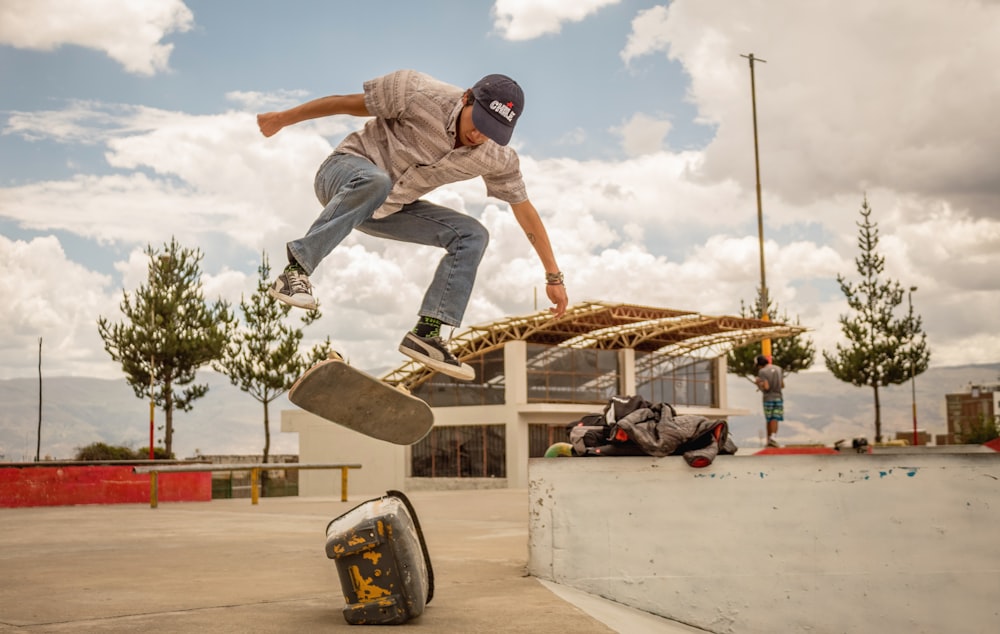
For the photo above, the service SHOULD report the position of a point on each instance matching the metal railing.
(254, 469)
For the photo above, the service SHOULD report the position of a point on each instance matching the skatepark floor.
(230, 566)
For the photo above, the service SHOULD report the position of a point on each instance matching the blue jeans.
(351, 188)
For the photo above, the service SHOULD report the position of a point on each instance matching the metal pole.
(765, 345)
(38, 446)
(343, 484)
(254, 479)
(154, 488)
(913, 379)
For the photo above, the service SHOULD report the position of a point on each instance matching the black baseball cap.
(497, 105)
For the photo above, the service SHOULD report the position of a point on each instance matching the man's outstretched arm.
(271, 122)
(527, 216)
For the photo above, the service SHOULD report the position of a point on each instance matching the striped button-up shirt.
(412, 137)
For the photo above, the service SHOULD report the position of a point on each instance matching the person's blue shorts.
(774, 410)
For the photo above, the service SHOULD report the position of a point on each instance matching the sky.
(124, 123)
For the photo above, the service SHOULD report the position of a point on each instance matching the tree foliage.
(102, 451)
(980, 429)
(792, 354)
(168, 332)
(882, 350)
(262, 357)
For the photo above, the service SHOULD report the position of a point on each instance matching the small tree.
(978, 430)
(263, 358)
(792, 354)
(168, 333)
(882, 350)
(103, 451)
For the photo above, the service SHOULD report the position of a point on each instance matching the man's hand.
(557, 295)
(269, 123)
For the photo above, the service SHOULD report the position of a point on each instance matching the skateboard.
(334, 390)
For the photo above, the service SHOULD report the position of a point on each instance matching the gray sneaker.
(293, 287)
(432, 352)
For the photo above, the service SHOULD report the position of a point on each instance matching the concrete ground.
(230, 566)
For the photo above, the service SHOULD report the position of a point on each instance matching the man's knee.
(477, 240)
(479, 235)
(343, 174)
(373, 182)
(469, 234)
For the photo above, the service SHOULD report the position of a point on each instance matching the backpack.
(600, 435)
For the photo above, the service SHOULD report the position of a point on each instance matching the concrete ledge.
(849, 543)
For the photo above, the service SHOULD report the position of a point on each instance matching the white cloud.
(254, 101)
(131, 32)
(643, 134)
(576, 136)
(528, 19)
(178, 174)
(48, 296)
(841, 105)
(649, 34)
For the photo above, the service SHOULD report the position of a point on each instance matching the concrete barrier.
(847, 543)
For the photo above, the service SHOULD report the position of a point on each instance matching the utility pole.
(913, 378)
(765, 345)
(38, 446)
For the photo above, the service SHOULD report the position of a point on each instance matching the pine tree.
(882, 350)
(792, 354)
(263, 357)
(168, 333)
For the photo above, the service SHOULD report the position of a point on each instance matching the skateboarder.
(423, 134)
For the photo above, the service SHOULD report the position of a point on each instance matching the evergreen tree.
(793, 354)
(169, 331)
(263, 358)
(978, 429)
(882, 350)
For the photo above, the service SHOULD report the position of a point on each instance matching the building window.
(676, 380)
(541, 437)
(570, 375)
(465, 451)
(487, 388)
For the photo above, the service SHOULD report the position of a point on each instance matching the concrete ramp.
(763, 544)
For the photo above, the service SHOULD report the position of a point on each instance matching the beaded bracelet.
(554, 279)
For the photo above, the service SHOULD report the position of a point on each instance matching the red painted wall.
(111, 484)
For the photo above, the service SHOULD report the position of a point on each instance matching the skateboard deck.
(333, 390)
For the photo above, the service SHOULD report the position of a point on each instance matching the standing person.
(423, 134)
(770, 381)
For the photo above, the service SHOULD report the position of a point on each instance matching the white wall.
(382, 464)
(848, 543)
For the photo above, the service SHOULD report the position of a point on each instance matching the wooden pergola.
(608, 326)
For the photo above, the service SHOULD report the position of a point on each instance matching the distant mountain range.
(80, 411)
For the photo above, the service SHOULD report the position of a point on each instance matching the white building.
(534, 376)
